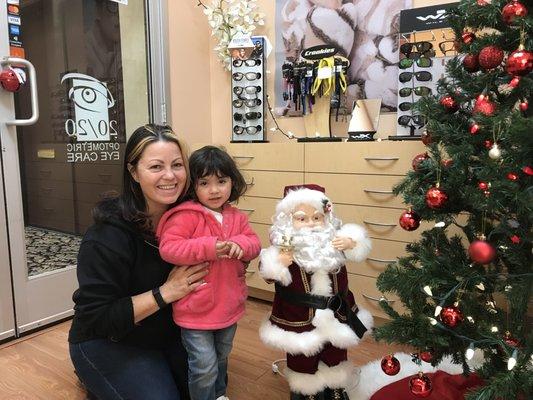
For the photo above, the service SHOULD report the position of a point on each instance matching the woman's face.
(161, 174)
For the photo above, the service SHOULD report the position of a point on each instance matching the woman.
(123, 342)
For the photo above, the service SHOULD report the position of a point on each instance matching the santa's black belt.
(337, 303)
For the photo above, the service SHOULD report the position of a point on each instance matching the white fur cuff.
(306, 343)
(338, 376)
(332, 330)
(358, 234)
(270, 267)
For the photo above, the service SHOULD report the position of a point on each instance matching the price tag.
(324, 73)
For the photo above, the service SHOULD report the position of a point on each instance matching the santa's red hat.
(311, 194)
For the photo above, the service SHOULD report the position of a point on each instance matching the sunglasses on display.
(249, 63)
(422, 62)
(251, 76)
(238, 90)
(405, 106)
(422, 76)
(448, 46)
(248, 115)
(419, 91)
(418, 120)
(238, 103)
(422, 48)
(251, 130)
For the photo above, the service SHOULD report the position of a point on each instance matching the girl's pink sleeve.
(177, 246)
(247, 239)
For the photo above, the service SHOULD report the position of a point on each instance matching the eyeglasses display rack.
(248, 85)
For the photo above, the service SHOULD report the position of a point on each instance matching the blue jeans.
(113, 371)
(208, 353)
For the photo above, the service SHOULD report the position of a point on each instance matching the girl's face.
(213, 191)
(161, 174)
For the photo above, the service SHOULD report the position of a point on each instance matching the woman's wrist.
(158, 297)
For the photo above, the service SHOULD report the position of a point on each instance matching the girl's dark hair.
(211, 160)
(131, 204)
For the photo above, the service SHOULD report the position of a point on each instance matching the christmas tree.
(466, 283)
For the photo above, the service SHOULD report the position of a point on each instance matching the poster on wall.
(365, 31)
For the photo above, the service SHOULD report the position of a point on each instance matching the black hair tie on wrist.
(158, 298)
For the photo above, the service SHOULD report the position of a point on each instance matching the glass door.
(92, 87)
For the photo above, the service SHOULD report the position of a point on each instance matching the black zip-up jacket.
(115, 262)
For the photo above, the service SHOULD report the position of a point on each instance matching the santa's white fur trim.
(296, 197)
(332, 330)
(321, 284)
(306, 343)
(338, 376)
(366, 318)
(271, 268)
(359, 235)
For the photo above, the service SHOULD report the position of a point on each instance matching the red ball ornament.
(474, 128)
(481, 252)
(426, 138)
(512, 176)
(527, 170)
(420, 385)
(468, 37)
(409, 220)
(9, 80)
(471, 63)
(436, 197)
(511, 341)
(490, 57)
(426, 355)
(519, 62)
(488, 143)
(390, 365)
(451, 316)
(449, 104)
(513, 10)
(524, 106)
(418, 159)
(484, 105)
(483, 185)
(515, 239)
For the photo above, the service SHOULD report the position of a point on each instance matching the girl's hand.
(235, 251)
(222, 249)
(343, 243)
(183, 280)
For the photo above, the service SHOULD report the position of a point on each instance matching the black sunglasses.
(448, 46)
(419, 91)
(418, 120)
(251, 76)
(405, 106)
(238, 90)
(248, 115)
(251, 130)
(238, 103)
(422, 49)
(422, 76)
(422, 62)
(249, 63)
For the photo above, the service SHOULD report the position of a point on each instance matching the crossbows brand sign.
(91, 125)
(425, 18)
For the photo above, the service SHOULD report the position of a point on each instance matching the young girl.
(208, 228)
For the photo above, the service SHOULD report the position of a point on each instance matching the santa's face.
(306, 216)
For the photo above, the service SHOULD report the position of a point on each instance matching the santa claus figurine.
(314, 317)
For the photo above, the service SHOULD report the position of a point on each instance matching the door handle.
(33, 90)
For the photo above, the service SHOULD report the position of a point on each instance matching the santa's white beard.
(313, 250)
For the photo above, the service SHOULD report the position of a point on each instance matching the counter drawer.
(259, 209)
(268, 156)
(383, 253)
(270, 183)
(50, 188)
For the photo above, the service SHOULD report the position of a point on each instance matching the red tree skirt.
(445, 387)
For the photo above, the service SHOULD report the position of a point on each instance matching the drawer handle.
(246, 157)
(250, 210)
(378, 191)
(106, 175)
(251, 183)
(47, 189)
(380, 260)
(45, 171)
(48, 209)
(382, 158)
(382, 298)
(378, 223)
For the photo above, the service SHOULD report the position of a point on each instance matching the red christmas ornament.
(449, 104)
(515, 239)
(426, 356)
(474, 128)
(484, 105)
(409, 220)
(483, 2)
(436, 198)
(420, 385)
(426, 138)
(9, 80)
(527, 170)
(488, 143)
(451, 316)
(511, 341)
(483, 185)
(481, 252)
(519, 62)
(524, 106)
(468, 37)
(513, 10)
(512, 176)
(418, 159)
(471, 63)
(390, 365)
(490, 57)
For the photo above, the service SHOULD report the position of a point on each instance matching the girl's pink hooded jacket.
(187, 235)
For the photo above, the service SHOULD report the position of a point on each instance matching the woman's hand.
(183, 280)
